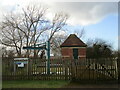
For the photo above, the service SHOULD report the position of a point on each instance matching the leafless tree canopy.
(27, 27)
(80, 33)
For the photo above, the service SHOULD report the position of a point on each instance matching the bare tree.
(12, 37)
(27, 27)
(80, 33)
(58, 22)
(23, 28)
(55, 44)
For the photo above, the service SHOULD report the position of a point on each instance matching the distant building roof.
(73, 41)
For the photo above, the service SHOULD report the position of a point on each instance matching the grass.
(35, 84)
(54, 84)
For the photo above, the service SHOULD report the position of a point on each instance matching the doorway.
(75, 53)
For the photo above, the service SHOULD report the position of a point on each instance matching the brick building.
(73, 48)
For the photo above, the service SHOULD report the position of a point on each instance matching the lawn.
(34, 84)
(54, 84)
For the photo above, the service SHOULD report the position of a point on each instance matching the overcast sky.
(100, 19)
(80, 13)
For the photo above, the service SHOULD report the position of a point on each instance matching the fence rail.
(88, 69)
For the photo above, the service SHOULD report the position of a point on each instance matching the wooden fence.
(88, 69)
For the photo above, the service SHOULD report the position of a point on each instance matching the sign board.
(21, 65)
(16, 59)
(20, 61)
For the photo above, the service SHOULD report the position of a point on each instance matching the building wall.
(82, 53)
(67, 52)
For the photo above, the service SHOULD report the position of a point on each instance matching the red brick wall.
(68, 53)
(82, 51)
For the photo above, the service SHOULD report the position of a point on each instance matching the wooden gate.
(95, 70)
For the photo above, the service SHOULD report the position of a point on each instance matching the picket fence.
(36, 69)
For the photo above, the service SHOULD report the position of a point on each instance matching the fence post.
(73, 70)
(14, 66)
(48, 57)
(66, 70)
(118, 66)
(30, 67)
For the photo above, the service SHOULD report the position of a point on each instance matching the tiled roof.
(73, 41)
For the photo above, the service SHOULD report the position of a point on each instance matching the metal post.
(48, 57)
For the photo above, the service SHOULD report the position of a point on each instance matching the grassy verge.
(34, 84)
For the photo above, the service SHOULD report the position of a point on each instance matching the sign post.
(45, 46)
(48, 57)
(20, 62)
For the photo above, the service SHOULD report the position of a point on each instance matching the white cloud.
(85, 13)
(60, 33)
(80, 13)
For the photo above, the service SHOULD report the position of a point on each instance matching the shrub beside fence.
(88, 69)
